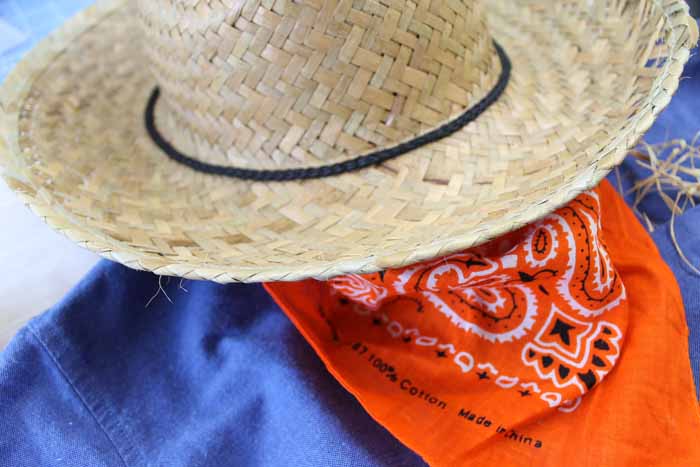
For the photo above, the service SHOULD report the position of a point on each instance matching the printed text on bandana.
(387, 373)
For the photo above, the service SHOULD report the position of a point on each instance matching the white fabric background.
(37, 265)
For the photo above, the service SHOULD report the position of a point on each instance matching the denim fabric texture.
(219, 377)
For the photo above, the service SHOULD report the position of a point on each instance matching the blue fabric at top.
(680, 120)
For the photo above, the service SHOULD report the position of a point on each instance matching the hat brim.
(586, 84)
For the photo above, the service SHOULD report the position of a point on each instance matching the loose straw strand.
(673, 168)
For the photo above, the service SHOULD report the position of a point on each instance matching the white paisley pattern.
(541, 292)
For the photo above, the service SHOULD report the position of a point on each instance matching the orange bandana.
(563, 343)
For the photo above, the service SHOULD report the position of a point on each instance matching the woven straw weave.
(267, 85)
(588, 79)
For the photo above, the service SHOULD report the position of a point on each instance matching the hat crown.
(288, 84)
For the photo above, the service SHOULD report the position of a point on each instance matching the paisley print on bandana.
(511, 353)
(548, 294)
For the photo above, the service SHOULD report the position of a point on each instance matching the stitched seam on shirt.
(77, 393)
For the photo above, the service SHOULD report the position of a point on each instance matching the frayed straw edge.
(665, 172)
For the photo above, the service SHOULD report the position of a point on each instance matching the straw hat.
(248, 140)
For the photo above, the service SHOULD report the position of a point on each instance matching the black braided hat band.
(357, 163)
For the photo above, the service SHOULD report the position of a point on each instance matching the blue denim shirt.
(220, 377)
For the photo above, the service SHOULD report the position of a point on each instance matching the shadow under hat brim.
(585, 85)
